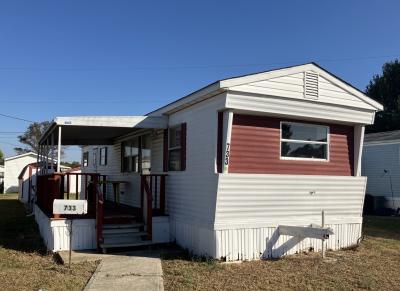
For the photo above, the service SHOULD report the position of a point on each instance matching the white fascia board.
(188, 100)
(378, 143)
(229, 83)
(159, 122)
(20, 156)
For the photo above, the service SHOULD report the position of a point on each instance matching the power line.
(191, 66)
(9, 143)
(79, 101)
(16, 118)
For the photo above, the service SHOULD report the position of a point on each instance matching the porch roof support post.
(52, 151)
(38, 159)
(47, 156)
(226, 139)
(41, 159)
(59, 149)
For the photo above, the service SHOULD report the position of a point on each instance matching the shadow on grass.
(18, 231)
(174, 252)
(387, 227)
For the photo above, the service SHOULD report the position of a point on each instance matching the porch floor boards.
(120, 213)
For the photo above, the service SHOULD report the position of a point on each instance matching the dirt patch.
(372, 265)
(24, 262)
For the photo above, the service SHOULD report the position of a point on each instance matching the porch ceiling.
(99, 130)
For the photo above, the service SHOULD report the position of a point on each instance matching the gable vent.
(311, 85)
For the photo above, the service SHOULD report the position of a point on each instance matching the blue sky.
(61, 58)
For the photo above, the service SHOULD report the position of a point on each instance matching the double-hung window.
(94, 157)
(130, 155)
(103, 156)
(85, 159)
(136, 154)
(174, 148)
(302, 141)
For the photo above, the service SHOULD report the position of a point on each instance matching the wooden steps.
(122, 235)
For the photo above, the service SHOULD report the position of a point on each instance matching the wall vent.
(311, 85)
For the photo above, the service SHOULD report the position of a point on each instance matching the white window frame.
(94, 156)
(105, 149)
(87, 159)
(327, 143)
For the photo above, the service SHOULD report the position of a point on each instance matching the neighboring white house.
(238, 160)
(13, 167)
(381, 164)
(1, 178)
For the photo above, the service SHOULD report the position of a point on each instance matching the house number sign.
(65, 206)
(227, 153)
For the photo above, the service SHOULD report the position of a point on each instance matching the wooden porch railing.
(152, 187)
(58, 186)
(99, 210)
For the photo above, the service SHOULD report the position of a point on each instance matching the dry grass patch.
(24, 262)
(372, 265)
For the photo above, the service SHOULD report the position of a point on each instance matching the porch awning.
(98, 130)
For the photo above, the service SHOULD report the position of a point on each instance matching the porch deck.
(116, 224)
(120, 213)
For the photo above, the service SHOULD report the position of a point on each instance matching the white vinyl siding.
(130, 191)
(191, 193)
(304, 109)
(267, 199)
(375, 160)
(299, 86)
(12, 169)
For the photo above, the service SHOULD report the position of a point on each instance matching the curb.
(90, 282)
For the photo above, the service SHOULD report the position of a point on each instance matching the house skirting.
(55, 233)
(265, 242)
(253, 243)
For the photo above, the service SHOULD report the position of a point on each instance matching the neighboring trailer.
(13, 167)
(381, 164)
(1, 179)
(240, 157)
(27, 181)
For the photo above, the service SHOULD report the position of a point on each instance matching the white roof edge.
(225, 84)
(139, 121)
(20, 156)
(210, 89)
(108, 121)
(377, 143)
(292, 70)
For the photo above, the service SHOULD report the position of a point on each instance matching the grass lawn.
(24, 262)
(375, 264)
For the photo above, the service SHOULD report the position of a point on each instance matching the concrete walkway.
(139, 270)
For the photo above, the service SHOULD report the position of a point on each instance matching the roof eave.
(190, 99)
(237, 81)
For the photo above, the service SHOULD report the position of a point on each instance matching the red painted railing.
(99, 210)
(152, 187)
(58, 186)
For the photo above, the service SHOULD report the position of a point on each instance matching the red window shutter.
(165, 151)
(219, 141)
(183, 146)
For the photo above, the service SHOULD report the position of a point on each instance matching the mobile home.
(221, 169)
(381, 164)
(13, 167)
